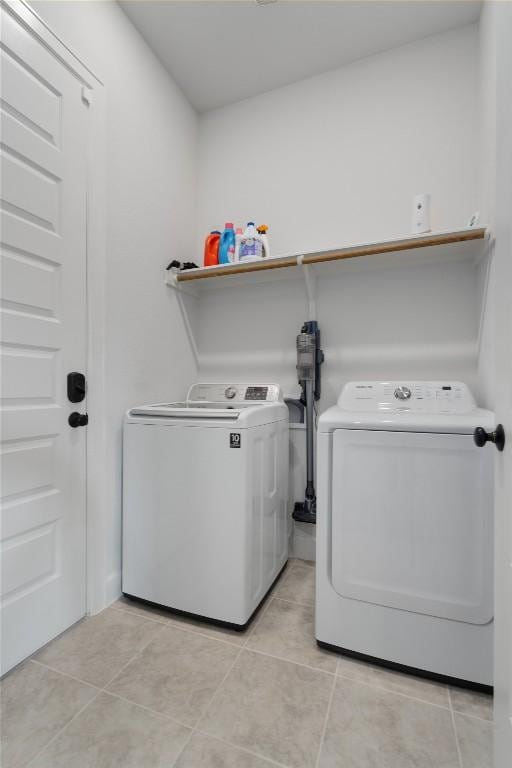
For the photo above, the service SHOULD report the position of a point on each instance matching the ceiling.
(221, 51)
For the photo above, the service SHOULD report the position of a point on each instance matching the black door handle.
(78, 419)
(481, 437)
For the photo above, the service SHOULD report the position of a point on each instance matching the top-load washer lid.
(188, 410)
(220, 401)
(409, 406)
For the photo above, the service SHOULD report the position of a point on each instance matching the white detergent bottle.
(250, 244)
(265, 248)
(238, 239)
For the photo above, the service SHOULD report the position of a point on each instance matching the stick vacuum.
(309, 359)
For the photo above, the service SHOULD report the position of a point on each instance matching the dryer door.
(412, 522)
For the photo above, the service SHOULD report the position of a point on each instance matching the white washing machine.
(405, 528)
(205, 486)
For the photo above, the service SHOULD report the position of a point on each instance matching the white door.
(503, 308)
(43, 242)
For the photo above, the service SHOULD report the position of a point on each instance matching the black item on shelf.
(181, 267)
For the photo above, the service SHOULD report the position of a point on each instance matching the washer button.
(230, 392)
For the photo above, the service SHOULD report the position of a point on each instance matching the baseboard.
(112, 588)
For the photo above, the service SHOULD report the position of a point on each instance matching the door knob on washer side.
(481, 437)
(78, 419)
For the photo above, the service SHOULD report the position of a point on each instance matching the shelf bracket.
(310, 288)
(172, 282)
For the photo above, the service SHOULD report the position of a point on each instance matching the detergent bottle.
(211, 248)
(227, 241)
(250, 244)
(262, 232)
(238, 239)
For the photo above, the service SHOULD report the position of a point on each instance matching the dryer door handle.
(481, 437)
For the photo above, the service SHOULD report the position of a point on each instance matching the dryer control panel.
(411, 396)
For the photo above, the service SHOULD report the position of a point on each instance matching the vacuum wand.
(309, 359)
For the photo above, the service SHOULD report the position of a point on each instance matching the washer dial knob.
(402, 393)
(230, 392)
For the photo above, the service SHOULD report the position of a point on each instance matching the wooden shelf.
(318, 257)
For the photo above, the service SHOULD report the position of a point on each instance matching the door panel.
(503, 407)
(43, 242)
(412, 522)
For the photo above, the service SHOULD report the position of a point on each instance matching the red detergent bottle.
(211, 248)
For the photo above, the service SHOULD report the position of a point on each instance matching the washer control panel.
(234, 393)
(409, 396)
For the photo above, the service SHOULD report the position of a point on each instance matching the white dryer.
(205, 487)
(405, 528)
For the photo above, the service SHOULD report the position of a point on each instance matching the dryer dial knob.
(403, 393)
(230, 392)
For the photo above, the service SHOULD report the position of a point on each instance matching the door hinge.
(86, 96)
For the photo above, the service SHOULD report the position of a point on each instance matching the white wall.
(333, 160)
(337, 158)
(151, 176)
(396, 321)
(319, 149)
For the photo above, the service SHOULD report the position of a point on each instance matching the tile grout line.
(269, 760)
(472, 717)
(135, 655)
(184, 628)
(163, 620)
(146, 709)
(392, 690)
(293, 602)
(230, 668)
(456, 736)
(185, 745)
(257, 621)
(99, 691)
(326, 719)
(64, 674)
(54, 738)
(289, 661)
(200, 631)
(195, 727)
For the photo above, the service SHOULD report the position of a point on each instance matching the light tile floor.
(136, 687)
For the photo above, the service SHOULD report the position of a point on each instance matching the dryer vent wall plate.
(421, 214)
